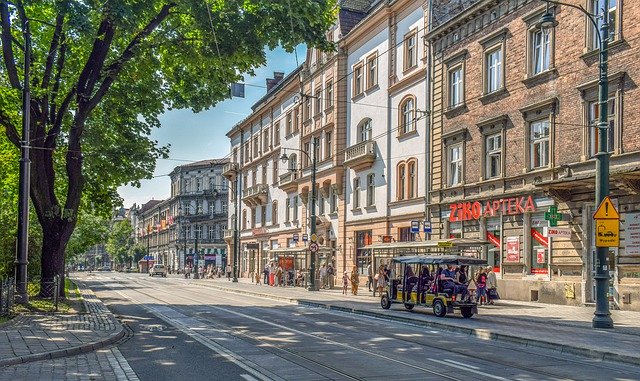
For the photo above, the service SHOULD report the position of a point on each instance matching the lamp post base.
(602, 320)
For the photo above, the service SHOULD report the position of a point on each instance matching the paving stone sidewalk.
(564, 329)
(36, 337)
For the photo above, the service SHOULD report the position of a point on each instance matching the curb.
(479, 333)
(72, 351)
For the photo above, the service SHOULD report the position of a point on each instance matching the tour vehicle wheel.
(466, 312)
(438, 308)
(408, 306)
(385, 302)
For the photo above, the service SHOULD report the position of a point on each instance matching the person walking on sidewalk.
(369, 276)
(381, 280)
(228, 271)
(481, 287)
(355, 280)
(345, 282)
(330, 276)
(265, 274)
(323, 276)
(492, 285)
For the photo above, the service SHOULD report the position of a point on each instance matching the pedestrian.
(369, 276)
(323, 276)
(381, 283)
(278, 276)
(481, 287)
(492, 285)
(330, 276)
(345, 282)
(265, 274)
(355, 280)
(257, 277)
(228, 272)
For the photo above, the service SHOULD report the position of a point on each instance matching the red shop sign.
(539, 237)
(493, 239)
(466, 211)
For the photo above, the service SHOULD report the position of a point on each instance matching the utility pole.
(25, 175)
(236, 233)
(195, 255)
(312, 284)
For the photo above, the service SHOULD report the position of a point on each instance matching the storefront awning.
(452, 243)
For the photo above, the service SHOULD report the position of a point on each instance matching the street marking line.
(222, 351)
(248, 377)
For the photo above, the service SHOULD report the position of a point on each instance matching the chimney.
(277, 77)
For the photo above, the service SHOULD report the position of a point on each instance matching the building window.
(371, 189)
(405, 235)
(329, 94)
(358, 87)
(307, 108)
(541, 51)
(372, 70)
(265, 141)
(456, 87)
(321, 205)
(287, 210)
(263, 215)
(411, 50)
(199, 207)
(402, 180)
(356, 192)
(539, 248)
(333, 200)
(306, 147)
(274, 213)
(493, 152)
(296, 119)
(493, 70)
(295, 208)
(327, 145)
(596, 7)
(225, 206)
(318, 98)
(539, 140)
(293, 162)
(198, 184)
(288, 125)
(316, 148)
(275, 171)
(254, 176)
(594, 119)
(454, 164)
(264, 173)
(212, 232)
(276, 135)
(244, 219)
(407, 115)
(256, 146)
(253, 217)
(412, 180)
(364, 131)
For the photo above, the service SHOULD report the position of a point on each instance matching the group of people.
(204, 272)
(457, 279)
(273, 274)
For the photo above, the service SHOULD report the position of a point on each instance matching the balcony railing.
(229, 170)
(256, 195)
(289, 181)
(361, 156)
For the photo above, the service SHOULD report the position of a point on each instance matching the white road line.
(188, 330)
(248, 377)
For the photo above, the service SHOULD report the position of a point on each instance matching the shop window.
(539, 248)
(455, 230)
(363, 238)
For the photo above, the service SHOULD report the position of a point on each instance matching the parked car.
(158, 269)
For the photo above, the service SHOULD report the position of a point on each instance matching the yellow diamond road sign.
(314, 237)
(607, 233)
(606, 211)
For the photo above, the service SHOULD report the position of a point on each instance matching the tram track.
(460, 366)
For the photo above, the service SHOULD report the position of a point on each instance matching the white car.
(158, 269)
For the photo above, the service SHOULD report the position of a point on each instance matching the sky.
(201, 136)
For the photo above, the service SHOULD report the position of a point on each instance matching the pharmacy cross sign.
(553, 216)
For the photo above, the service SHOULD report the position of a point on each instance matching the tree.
(90, 230)
(102, 73)
(120, 242)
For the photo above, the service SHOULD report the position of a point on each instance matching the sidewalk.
(563, 329)
(29, 338)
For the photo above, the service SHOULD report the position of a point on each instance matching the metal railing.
(49, 287)
(7, 291)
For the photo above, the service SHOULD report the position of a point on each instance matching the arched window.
(364, 130)
(274, 213)
(407, 122)
(401, 181)
(293, 162)
(412, 178)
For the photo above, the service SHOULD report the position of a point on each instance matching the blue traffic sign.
(415, 226)
(426, 227)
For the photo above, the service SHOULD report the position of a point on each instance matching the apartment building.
(386, 126)
(513, 135)
(192, 219)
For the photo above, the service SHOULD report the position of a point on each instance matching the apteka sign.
(467, 211)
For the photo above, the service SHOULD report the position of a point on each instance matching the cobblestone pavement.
(103, 364)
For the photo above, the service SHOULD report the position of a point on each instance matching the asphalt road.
(183, 330)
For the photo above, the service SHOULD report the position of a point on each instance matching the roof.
(349, 18)
(277, 87)
(441, 260)
(148, 205)
(206, 162)
(445, 10)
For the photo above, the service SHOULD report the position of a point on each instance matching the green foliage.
(137, 252)
(120, 242)
(90, 230)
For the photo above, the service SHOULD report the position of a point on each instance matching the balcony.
(256, 195)
(361, 156)
(289, 181)
(227, 234)
(229, 170)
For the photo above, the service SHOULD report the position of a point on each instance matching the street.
(185, 329)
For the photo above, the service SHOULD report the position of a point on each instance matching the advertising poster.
(631, 226)
(513, 249)
(540, 254)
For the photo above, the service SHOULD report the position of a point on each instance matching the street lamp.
(285, 158)
(602, 316)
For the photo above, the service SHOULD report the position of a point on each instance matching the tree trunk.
(54, 242)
